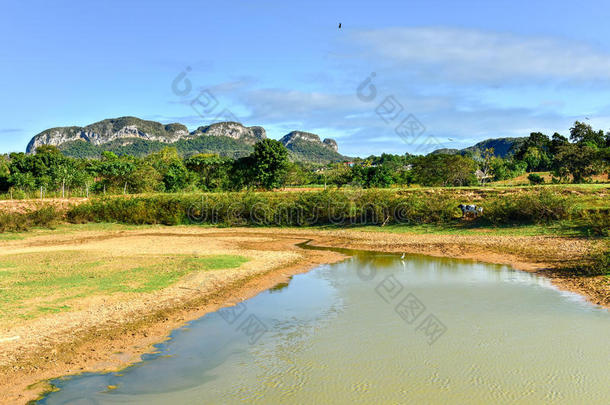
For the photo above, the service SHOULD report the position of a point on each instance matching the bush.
(535, 178)
(166, 210)
(46, 217)
(12, 222)
(18, 194)
(597, 222)
(365, 207)
(598, 265)
(532, 206)
(328, 207)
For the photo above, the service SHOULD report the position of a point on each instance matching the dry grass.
(547, 176)
(34, 284)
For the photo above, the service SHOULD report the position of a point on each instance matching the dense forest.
(266, 165)
(220, 145)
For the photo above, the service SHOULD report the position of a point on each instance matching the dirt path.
(114, 330)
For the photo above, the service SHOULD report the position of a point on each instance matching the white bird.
(402, 257)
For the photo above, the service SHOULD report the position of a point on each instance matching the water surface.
(378, 329)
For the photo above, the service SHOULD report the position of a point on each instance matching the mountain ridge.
(132, 135)
(502, 147)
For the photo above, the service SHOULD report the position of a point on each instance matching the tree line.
(585, 153)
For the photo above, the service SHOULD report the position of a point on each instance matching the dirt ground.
(33, 203)
(112, 331)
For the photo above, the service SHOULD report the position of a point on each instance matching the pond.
(377, 328)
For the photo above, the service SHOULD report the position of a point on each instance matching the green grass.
(12, 236)
(560, 228)
(35, 284)
(70, 229)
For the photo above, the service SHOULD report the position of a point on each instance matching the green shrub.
(46, 217)
(18, 194)
(12, 222)
(326, 207)
(535, 178)
(365, 207)
(163, 209)
(531, 207)
(599, 264)
(597, 222)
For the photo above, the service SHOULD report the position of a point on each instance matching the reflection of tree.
(280, 286)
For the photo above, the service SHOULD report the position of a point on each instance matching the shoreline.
(112, 346)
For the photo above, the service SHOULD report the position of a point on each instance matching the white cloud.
(476, 85)
(471, 55)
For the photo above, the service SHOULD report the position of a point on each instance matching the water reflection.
(338, 334)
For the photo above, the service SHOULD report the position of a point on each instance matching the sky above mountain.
(397, 77)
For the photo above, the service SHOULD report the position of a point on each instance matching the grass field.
(561, 228)
(548, 178)
(34, 284)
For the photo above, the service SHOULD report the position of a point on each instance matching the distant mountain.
(221, 145)
(134, 136)
(109, 130)
(502, 147)
(233, 130)
(305, 146)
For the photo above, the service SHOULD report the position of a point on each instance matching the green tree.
(176, 177)
(557, 141)
(579, 161)
(269, 163)
(162, 159)
(4, 173)
(605, 160)
(24, 181)
(583, 134)
(116, 171)
(48, 150)
(339, 174)
(297, 174)
(444, 170)
(372, 176)
(241, 173)
(211, 170)
(499, 169)
(145, 179)
(62, 175)
(536, 159)
(535, 152)
(169, 165)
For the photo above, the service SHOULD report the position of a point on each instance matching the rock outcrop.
(234, 130)
(308, 147)
(331, 143)
(296, 136)
(129, 129)
(109, 130)
(134, 136)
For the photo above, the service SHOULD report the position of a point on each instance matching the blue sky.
(467, 70)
